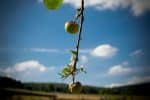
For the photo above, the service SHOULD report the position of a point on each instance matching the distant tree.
(6, 82)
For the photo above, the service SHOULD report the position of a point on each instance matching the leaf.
(81, 69)
(53, 4)
(78, 14)
(66, 71)
(73, 52)
(63, 76)
(73, 57)
(78, 9)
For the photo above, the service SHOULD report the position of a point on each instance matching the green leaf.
(78, 9)
(66, 70)
(73, 52)
(63, 76)
(53, 4)
(78, 14)
(73, 57)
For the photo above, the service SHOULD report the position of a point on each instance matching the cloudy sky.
(114, 48)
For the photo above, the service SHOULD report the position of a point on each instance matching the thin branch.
(78, 40)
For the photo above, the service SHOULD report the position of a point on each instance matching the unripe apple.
(75, 87)
(53, 4)
(71, 27)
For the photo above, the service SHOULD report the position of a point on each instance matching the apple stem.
(78, 40)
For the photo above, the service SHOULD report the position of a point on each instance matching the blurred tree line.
(139, 89)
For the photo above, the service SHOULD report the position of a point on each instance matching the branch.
(78, 40)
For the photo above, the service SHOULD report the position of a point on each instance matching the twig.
(78, 40)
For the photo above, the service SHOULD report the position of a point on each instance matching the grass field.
(19, 94)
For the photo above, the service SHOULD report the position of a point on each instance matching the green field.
(20, 94)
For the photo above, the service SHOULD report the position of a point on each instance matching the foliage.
(68, 69)
(6, 82)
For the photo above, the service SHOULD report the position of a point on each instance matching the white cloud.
(104, 51)
(75, 3)
(124, 68)
(139, 79)
(114, 85)
(29, 65)
(125, 63)
(137, 53)
(31, 70)
(39, 1)
(138, 7)
(131, 81)
(119, 69)
(44, 50)
(85, 51)
(83, 59)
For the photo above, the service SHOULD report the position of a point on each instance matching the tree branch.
(78, 40)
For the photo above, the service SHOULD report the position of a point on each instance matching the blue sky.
(114, 48)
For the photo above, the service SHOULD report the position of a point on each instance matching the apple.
(71, 27)
(53, 4)
(75, 87)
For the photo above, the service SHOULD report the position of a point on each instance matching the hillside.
(139, 89)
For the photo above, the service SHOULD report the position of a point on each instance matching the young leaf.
(78, 9)
(52, 4)
(66, 71)
(63, 76)
(78, 14)
(81, 69)
(73, 52)
(73, 57)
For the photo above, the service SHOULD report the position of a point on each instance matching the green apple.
(71, 27)
(53, 4)
(75, 87)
